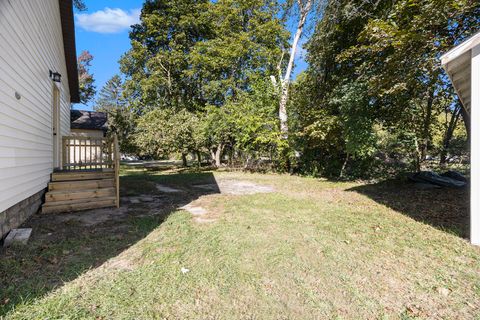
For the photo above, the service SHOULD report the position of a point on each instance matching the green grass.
(313, 249)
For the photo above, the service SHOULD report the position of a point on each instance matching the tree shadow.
(63, 246)
(444, 208)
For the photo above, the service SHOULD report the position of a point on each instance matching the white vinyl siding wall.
(31, 44)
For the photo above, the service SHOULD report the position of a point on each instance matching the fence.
(87, 153)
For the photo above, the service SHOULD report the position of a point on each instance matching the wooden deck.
(88, 180)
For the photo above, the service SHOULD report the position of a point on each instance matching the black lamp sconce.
(55, 76)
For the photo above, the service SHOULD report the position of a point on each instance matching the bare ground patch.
(236, 187)
(220, 189)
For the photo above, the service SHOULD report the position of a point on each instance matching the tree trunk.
(449, 134)
(212, 156)
(466, 120)
(344, 166)
(218, 155)
(426, 126)
(418, 166)
(184, 160)
(199, 159)
(285, 82)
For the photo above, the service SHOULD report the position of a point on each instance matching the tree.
(411, 39)
(86, 80)
(247, 126)
(161, 132)
(156, 67)
(377, 60)
(304, 7)
(199, 55)
(120, 120)
(246, 38)
(79, 5)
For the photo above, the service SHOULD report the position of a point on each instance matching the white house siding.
(31, 44)
(475, 147)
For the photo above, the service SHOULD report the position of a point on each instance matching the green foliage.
(356, 118)
(157, 64)
(120, 118)
(376, 65)
(211, 59)
(247, 125)
(161, 132)
(86, 82)
(374, 99)
(246, 42)
(79, 5)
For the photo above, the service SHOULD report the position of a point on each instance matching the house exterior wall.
(14, 216)
(31, 44)
(475, 147)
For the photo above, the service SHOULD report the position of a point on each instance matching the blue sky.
(103, 30)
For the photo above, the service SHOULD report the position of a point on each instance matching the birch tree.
(304, 7)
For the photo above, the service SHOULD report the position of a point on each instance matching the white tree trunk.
(218, 155)
(304, 6)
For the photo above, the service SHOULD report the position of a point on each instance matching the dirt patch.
(126, 261)
(200, 214)
(204, 220)
(196, 211)
(200, 209)
(93, 217)
(167, 189)
(236, 187)
(142, 199)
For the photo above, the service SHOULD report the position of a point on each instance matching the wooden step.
(79, 176)
(78, 205)
(64, 195)
(81, 185)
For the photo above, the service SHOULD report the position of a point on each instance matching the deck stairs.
(89, 176)
(80, 190)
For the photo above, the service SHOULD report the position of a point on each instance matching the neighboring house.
(462, 64)
(87, 130)
(88, 123)
(38, 83)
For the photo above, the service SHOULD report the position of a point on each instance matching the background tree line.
(212, 80)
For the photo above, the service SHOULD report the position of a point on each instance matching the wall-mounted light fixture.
(55, 76)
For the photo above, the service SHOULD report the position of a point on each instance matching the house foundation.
(14, 216)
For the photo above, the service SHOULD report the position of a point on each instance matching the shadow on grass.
(63, 246)
(445, 209)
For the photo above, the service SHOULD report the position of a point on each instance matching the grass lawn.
(311, 249)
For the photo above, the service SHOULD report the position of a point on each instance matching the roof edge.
(68, 33)
(460, 49)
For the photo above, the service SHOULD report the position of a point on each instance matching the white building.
(462, 64)
(38, 83)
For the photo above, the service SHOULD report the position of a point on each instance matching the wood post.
(116, 159)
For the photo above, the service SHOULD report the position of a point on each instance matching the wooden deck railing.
(89, 153)
(86, 153)
(116, 166)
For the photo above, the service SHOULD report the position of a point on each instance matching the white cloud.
(108, 20)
